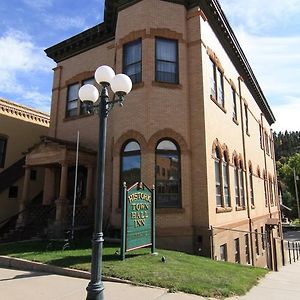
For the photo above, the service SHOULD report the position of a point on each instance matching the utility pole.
(296, 191)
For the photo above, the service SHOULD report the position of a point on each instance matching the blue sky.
(268, 31)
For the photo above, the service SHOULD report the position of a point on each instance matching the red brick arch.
(216, 144)
(130, 135)
(165, 134)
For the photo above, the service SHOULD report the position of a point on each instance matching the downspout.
(246, 167)
(58, 97)
(278, 202)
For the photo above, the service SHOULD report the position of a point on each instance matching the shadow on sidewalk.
(22, 276)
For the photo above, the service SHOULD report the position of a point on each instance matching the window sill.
(239, 208)
(218, 104)
(167, 85)
(223, 209)
(170, 210)
(67, 119)
(138, 85)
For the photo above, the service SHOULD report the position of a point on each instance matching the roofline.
(21, 112)
(223, 30)
(105, 32)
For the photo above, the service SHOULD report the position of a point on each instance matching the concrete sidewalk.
(32, 285)
(24, 285)
(282, 285)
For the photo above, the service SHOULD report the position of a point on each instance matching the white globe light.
(88, 92)
(104, 74)
(121, 83)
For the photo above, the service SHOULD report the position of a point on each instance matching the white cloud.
(287, 115)
(22, 63)
(275, 61)
(65, 23)
(257, 15)
(38, 4)
(18, 53)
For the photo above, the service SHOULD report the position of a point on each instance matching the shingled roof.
(104, 32)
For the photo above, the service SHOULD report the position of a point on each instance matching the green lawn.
(180, 272)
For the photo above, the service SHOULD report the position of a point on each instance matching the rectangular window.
(251, 188)
(132, 60)
(216, 84)
(242, 192)
(237, 251)
(262, 237)
(271, 192)
(166, 60)
(266, 191)
(220, 86)
(76, 107)
(234, 114)
(247, 250)
(256, 242)
(267, 143)
(72, 100)
(3, 143)
(83, 107)
(212, 78)
(226, 185)
(236, 187)
(261, 137)
(223, 252)
(218, 182)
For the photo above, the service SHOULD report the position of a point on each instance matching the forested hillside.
(287, 153)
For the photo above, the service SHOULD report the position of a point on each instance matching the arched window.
(130, 163)
(168, 181)
(271, 190)
(266, 188)
(251, 185)
(218, 177)
(236, 183)
(225, 173)
(241, 182)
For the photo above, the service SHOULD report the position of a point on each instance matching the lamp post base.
(95, 291)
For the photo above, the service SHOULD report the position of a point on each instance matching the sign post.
(138, 218)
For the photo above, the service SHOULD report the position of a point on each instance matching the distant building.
(20, 128)
(197, 125)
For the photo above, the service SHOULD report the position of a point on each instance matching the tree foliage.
(286, 168)
(286, 144)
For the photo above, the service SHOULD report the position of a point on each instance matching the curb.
(27, 265)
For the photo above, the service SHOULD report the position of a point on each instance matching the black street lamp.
(120, 85)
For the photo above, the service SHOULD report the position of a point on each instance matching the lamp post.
(120, 85)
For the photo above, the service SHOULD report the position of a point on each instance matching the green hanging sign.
(138, 218)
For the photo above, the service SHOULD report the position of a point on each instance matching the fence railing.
(293, 250)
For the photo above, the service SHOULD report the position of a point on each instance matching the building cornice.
(24, 113)
(224, 32)
(105, 32)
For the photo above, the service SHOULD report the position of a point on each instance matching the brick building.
(20, 128)
(196, 124)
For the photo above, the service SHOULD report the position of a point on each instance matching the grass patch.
(180, 272)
